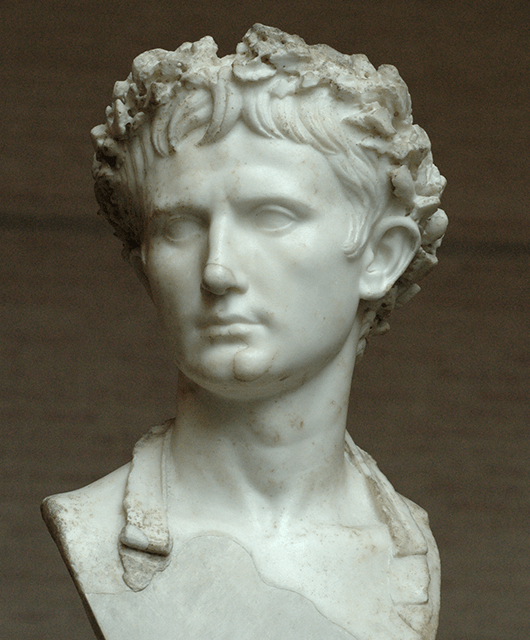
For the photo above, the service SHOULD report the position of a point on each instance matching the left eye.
(273, 218)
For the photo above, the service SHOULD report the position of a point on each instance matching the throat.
(268, 461)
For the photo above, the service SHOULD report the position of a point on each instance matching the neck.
(279, 457)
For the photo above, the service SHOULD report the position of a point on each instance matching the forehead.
(242, 165)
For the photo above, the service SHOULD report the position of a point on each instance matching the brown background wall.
(442, 402)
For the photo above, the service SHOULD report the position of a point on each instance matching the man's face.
(243, 253)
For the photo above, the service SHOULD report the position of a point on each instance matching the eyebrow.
(303, 207)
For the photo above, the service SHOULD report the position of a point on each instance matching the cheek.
(322, 270)
(320, 299)
(333, 293)
(170, 271)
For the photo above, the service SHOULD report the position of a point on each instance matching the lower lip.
(234, 330)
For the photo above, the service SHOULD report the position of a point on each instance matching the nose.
(222, 272)
(218, 279)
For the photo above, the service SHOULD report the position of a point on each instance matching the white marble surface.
(374, 580)
(277, 205)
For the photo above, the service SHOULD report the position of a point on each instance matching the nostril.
(217, 279)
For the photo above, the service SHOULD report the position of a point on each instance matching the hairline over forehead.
(262, 162)
(362, 174)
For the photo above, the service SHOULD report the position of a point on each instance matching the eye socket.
(182, 227)
(273, 218)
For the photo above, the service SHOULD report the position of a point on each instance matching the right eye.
(183, 227)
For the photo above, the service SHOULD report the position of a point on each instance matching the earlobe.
(393, 243)
(137, 262)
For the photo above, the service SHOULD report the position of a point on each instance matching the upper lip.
(225, 320)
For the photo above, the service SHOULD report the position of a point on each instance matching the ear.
(392, 245)
(137, 262)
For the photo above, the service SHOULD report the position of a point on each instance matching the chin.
(250, 365)
(246, 374)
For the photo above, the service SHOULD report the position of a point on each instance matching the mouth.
(227, 327)
(230, 320)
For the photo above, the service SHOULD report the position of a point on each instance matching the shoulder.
(425, 618)
(421, 518)
(85, 525)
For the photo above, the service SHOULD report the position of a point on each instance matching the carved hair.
(279, 87)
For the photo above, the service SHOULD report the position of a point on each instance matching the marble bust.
(277, 204)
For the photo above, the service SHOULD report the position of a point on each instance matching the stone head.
(279, 88)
